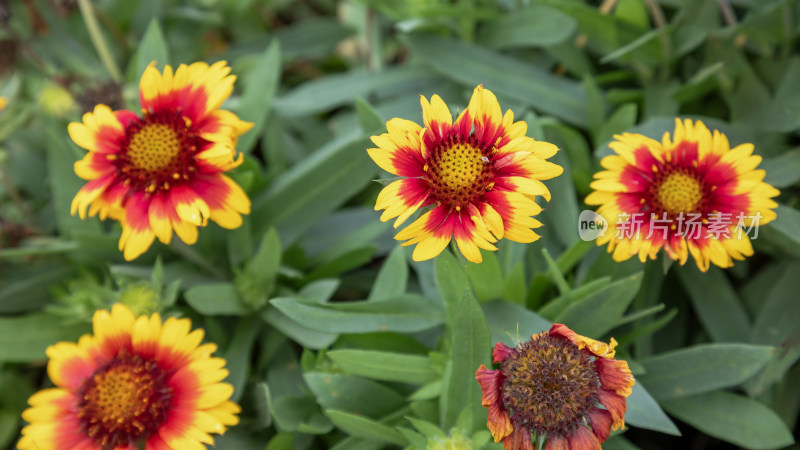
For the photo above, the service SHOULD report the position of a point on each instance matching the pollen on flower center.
(159, 153)
(459, 166)
(459, 172)
(550, 385)
(124, 401)
(679, 193)
(154, 147)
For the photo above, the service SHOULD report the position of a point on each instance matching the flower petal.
(491, 382)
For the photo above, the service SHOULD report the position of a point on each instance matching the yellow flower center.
(459, 166)
(550, 385)
(124, 401)
(154, 147)
(680, 193)
(458, 172)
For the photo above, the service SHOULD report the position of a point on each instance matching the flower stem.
(89, 17)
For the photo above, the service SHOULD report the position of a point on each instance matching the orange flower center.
(680, 193)
(124, 401)
(550, 385)
(154, 147)
(459, 172)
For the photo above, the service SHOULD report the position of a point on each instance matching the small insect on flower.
(691, 194)
(559, 385)
(477, 177)
(163, 171)
(134, 383)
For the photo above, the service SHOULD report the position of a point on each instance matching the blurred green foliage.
(333, 337)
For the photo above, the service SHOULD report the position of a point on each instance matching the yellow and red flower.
(163, 171)
(559, 385)
(134, 381)
(691, 194)
(476, 179)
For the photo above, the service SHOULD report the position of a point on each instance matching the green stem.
(666, 48)
(88, 13)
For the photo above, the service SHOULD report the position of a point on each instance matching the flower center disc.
(680, 193)
(124, 401)
(459, 172)
(154, 147)
(550, 385)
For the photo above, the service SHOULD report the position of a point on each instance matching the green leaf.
(472, 65)
(312, 37)
(304, 336)
(471, 344)
(486, 277)
(64, 184)
(345, 262)
(357, 443)
(515, 288)
(216, 299)
(371, 121)
(510, 323)
(392, 278)
(353, 394)
(310, 190)
(782, 170)
(427, 392)
(260, 84)
(407, 313)
(385, 341)
(601, 310)
(732, 418)
(607, 33)
(238, 354)
(753, 104)
(299, 414)
(152, 48)
(319, 291)
(595, 104)
(644, 412)
(719, 308)
(451, 282)
(621, 120)
(25, 338)
(365, 428)
(427, 429)
(560, 216)
(634, 45)
(776, 324)
(9, 423)
(777, 319)
(618, 442)
(262, 399)
(256, 281)
(28, 288)
(385, 366)
(348, 229)
(281, 441)
(702, 368)
(534, 25)
(558, 305)
(784, 232)
(331, 91)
